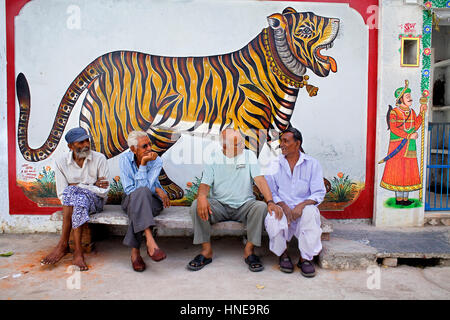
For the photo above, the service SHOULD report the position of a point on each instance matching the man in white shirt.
(82, 187)
(297, 186)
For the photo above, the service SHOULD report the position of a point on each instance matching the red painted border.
(361, 208)
(18, 202)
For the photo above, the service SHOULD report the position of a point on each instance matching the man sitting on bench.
(297, 185)
(145, 198)
(230, 179)
(82, 187)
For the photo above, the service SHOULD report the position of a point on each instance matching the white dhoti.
(306, 228)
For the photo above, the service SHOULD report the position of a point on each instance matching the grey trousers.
(141, 206)
(251, 214)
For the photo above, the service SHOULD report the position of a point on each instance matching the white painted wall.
(390, 77)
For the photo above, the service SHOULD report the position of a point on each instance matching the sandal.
(138, 264)
(307, 268)
(286, 264)
(158, 255)
(198, 262)
(254, 264)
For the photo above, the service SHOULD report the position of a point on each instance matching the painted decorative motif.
(40, 186)
(401, 172)
(253, 90)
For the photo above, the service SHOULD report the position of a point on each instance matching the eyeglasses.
(145, 146)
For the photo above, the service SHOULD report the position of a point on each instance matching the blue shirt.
(134, 177)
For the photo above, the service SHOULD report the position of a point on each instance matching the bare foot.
(56, 255)
(248, 250)
(78, 260)
(151, 249)
(207, 253)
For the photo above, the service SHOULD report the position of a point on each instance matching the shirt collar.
(300, 160)
(284, 163)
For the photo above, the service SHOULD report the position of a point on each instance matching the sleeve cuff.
(276, 199)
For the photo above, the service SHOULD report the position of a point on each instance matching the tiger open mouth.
(328, 45)
(326, 59)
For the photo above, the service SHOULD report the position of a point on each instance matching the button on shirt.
(231, 179)
(68, 172)
(305, 182)
(134, 177)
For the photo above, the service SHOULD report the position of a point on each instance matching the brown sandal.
(138, 264)
(158, 255)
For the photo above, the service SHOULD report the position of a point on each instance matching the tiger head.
(307, 35)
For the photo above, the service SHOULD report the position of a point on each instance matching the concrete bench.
(173, 221)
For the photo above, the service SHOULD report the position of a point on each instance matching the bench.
(173, 221)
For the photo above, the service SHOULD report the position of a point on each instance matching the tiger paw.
(173, 191)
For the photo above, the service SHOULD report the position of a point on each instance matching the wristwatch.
(270, 201)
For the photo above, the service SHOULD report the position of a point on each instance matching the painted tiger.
(253, 90)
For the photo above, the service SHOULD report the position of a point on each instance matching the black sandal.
(254, 263)
(198, 262)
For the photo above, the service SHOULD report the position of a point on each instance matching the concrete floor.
(227, 277)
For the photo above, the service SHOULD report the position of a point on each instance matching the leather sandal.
(158, 255)
(138, 264)
(307, 268)
(198, 262)
(286, 264)
(254, 263)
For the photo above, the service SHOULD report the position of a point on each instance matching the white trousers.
(306, 228)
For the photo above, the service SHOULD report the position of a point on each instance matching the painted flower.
(448, 4)
(48, 168)
(340, 175)
(426, 93)
(40, 176)
(427, 51)
(427, 29)
(189, 184)
(116, 178)
(428, 4)
(426, 73)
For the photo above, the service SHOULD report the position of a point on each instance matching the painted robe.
(401, 172)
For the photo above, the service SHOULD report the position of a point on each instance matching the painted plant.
(116, 192)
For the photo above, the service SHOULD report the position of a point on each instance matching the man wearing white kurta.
(297, 186)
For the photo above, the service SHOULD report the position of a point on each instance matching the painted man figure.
(297, 186)
(82, 186)
(230, 177)
(145, 198)
(401, 173)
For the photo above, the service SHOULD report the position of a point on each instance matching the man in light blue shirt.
(229, 178)
(145, 198)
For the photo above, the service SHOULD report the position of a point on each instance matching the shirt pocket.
(301, 188)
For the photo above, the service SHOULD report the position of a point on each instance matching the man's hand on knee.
(163, 196)
(298, 210)
(203, 208)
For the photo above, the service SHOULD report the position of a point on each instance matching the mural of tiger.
(253, 90)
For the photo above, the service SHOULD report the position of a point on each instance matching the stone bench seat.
(176, 221)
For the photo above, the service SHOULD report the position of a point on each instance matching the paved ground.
(111, 277)
(407, 242)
